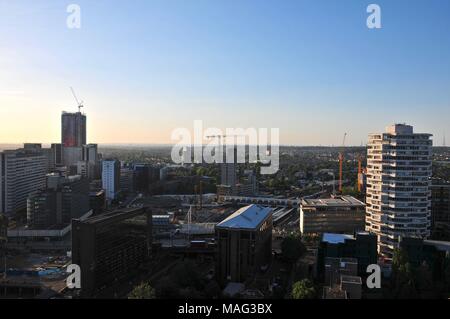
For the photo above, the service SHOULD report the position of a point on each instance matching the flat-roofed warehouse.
(110, 246)
(338, 214)
(244, 243)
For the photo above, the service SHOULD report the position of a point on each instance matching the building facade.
(22, 172)
(440, 210)
(339, 214)
(73, 129)
(64, 198)
(126, 180)
(110, 247)
(398, 186)
(111, 178)
(244, 243)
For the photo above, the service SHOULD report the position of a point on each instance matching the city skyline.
(314, 70)
(224, 155)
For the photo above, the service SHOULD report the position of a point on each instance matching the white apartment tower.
(398, 186)
(111, 178)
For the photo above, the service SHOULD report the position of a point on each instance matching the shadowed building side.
(244, 243)
(110, 247)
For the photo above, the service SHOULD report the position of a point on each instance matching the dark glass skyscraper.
(73, 129)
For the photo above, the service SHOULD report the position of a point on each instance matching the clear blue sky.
(311, 68)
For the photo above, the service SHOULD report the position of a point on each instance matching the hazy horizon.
(310, 68)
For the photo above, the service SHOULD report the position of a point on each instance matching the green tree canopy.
(142, 291)
(303, 289)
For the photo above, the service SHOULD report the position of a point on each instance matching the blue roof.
(248, 217)
(335, 238)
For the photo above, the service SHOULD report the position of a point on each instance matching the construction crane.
(79, 103)
(341, 162)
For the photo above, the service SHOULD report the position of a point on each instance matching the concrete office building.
(339, 214)
(111, 178)
(57, 153)
(64, 198)
(440, 210)
(97, 200)
(92, 157)
(90, 153)
(398, 186)
(86, 169)
(126, 183)
(244, 243)
(144, 175)
(73, 129)
(22, 172)
(228, 173)
(49, 154)
(72, 155)
(110, 247)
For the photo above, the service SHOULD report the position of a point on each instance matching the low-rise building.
(341, 279)
(361, 246)
(339, 214)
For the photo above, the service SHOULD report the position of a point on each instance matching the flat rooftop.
(338, 201)
(440, 245)
(248, 217)
(336, 238)
(116, 215)
(351, 279)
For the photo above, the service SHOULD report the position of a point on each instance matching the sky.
(143, 68)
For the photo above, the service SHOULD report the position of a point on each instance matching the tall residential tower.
(398, 186)
(111, 177)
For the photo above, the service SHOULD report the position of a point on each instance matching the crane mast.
(341, 162)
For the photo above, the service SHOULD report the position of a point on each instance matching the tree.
(185, 281)
(193, 280)
(142, 291)
(303, 289)
(399, 258)
(403, 283)
(292, 248)
(424, 281)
